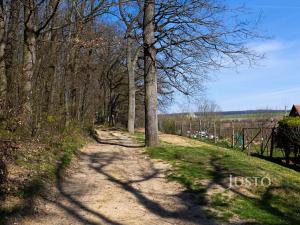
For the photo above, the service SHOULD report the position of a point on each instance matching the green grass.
(139, 136)
(275, 204)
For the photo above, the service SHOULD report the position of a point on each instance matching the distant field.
(234, 115)
(253, 115)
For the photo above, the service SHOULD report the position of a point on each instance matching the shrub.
(288, 136)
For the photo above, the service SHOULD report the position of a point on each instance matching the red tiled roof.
(297, 107)
(295, 110)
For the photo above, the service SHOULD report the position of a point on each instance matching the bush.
(288, 136)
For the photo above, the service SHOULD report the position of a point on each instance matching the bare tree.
(11, 56)
(133, 49)
(2, 47)
(150, 78)
(195, 37)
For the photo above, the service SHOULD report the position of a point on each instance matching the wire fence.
(256, 136)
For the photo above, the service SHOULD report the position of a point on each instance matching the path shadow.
(192, 213)
(105, 142)
(26, 207)
(74, 207)
(116, 141)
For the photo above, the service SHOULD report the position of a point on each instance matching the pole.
(190, 127)
(215, 132)
(243, 138)
(262, 141)
(232, 138)
(272, 142)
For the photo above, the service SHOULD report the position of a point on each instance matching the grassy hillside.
(35, 164)
(205, 171)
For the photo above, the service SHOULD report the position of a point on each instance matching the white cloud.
(266, 96)
(267, 46)
(279, 93)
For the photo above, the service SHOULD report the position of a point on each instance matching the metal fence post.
(272, 142)
(232, 138)
(243, 138)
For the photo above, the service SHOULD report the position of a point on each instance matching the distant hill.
(235, 114)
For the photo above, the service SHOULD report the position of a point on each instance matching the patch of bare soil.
(114, 182)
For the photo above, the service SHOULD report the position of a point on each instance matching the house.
(295, 111)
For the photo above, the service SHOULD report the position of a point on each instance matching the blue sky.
(275, 82)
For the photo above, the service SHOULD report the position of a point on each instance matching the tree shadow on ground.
(280, 161)
(116, 141)
(193, 213)
(219, 174)
(76, 208)
(25, 207)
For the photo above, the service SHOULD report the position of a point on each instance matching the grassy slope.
(276, 204)
(39, 162)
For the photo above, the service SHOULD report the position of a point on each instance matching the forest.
(87, 61)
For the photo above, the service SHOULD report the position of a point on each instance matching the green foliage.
(290, 121)
(288, 133)
(51, 119)
(69, 145)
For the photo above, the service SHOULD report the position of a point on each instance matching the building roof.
(295, 110)
(297, 107)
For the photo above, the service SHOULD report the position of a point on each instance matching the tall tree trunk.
(66, 104)
(131, 87)
(151, 125)
(10, 55)
(29, 57)
(2, 47)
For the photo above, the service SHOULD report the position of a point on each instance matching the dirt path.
(116, 183)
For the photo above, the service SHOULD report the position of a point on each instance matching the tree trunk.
(151, 125)
(29, 57)
(131, 87)
(2, 47)
(67, 110)
(10, 56)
